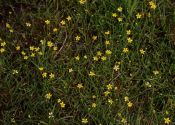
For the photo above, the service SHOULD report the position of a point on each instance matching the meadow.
(93, 62)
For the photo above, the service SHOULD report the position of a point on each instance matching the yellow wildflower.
(2, 50)
(80, 86)
(119, 9)
(62, 104)
(51, 75)
(128, 32)
(109, 86)
(91, 73)
(47, 22)
(63, 22)
(3, 44)
(125, 50)
(107, 42)
(94, 38)
(50, 44)
(130, 104)
(167, 120)
(103, 58)
(108, 52)
(84, 120)
(77, 38)
(107, 32)
(18, 47)
(77, 58)
(142, 51)
(48, 95)
(152, 5)
(44, 74)
(129, 40)
(55, 29)
(68, 18)
(114, 14)
(120, 19)
(138, 15)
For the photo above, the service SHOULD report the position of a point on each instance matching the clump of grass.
(87, 62)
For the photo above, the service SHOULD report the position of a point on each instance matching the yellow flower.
(125, 50)
(94, 105)
(152, 5)
(48, 95)
(3, 44)
(128, 32)
(84, 120)
(156, 72)
(51, 75)
(94, 38)
(93, 96)
(31, 48)
(130, 104)
(62, 104)
(119, 9)
(50, 44)
(126, 99)
(63, 22)
(167, 120)
(55, 29)
(109, 86)
(106, 93)
(99, 53)
(41, 68)
(80, 86)
(123, 120)
(107, 42)
(37, 49)
(32, 55)
(77, 58)
(107, 32)
(120, 19)
(70, 70)
(103, 58)
(147, 84)
(18, 47)
(44, 74)
(68, 18)
(11, 30)
(129, 40)
(26, 57)
(55, 48)
(28, 24)
(51, 115)
(8, 25)
(114, 14)
(95, 58)
(15, 72)
(23, 53)
(77, 38)
(142, 51)
(116, 67)
(85, 56)
(110, 101)
(91, 73)
(2, 50)
(138, 15)
(47, 22)
(108, 52)
(82, 1)
(58, 100)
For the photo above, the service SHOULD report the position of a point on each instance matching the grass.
(96, 62)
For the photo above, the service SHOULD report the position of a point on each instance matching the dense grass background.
(148, 79)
